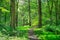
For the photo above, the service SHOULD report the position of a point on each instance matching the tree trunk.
(0, 10)
(56, 9)
(40, 14)
(17, 12)
(50, 7)
(59, 11)
(13, 14)
(29, 13)
(0, 16)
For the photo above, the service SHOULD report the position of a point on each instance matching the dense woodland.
(30, 19)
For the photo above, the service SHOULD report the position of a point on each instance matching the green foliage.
(4, 10)
(49, 37)
(47, 32)
(23, 27)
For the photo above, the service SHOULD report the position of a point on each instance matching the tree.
(16, 12)
(13, 14)
(29, 13)
(56, 10)
(0, 16)
(39, 13)
(50, 7)
(0, 11)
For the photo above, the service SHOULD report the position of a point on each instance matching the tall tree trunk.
(17, 12)
(13, 14)
(39, 13)
(0, 15)
(0, 10)
(5, 18)
(29, 13)
(50, 7)
(23, 19)
(56, 9)
(51, 12)
(59, 11)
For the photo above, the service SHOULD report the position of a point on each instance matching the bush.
(49, 37)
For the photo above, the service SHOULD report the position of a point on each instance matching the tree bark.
(13, 14)
(50, 7)
(0, 10)
(29, 13)
(40, 14)
(56, 9)
(0, 16)
(17, 12)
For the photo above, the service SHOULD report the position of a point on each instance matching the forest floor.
(49, 37)
(41, 33)
(12, 38)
